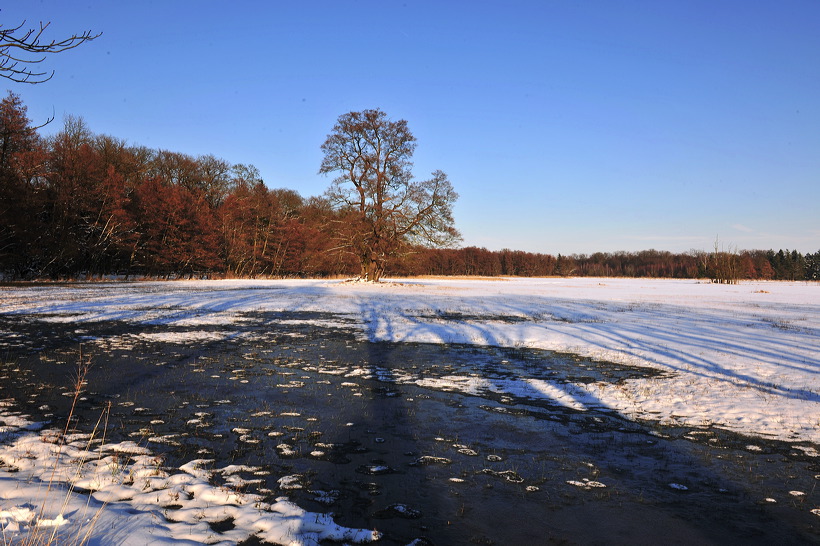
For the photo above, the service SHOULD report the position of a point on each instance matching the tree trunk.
(372, 269)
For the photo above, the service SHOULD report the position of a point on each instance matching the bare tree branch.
(21, 47)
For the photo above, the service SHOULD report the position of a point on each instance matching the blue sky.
(565, 126)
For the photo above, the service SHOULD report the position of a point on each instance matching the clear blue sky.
(565, 126)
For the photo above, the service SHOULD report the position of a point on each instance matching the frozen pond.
(437, 443)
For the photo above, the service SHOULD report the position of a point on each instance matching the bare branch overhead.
(22, 48)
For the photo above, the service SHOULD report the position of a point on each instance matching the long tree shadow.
(385, 486)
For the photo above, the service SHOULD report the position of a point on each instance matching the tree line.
(721, 266)
(79, 204)
(82, 204)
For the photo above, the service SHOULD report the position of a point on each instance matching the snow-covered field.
(745, 358)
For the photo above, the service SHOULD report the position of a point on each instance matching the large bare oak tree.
(382, 210)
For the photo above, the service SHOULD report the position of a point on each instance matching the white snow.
(586, 483)
(742, 357)
(134, 500)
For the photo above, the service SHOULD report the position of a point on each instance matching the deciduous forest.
(83, 205)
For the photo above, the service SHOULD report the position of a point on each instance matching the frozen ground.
(743, 358)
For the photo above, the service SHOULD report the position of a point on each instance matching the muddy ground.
(347, 425)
